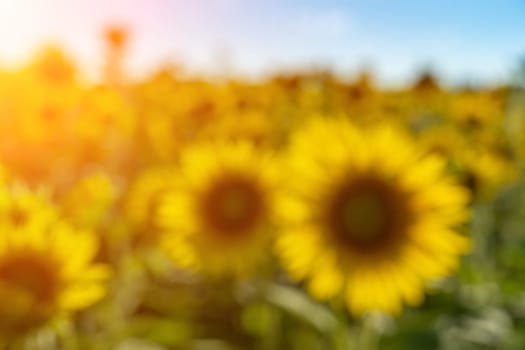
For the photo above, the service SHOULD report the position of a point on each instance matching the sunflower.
(104, 125)
(474, 112)
(54, 68)
(46, 270)
(142, 200)
(486, 169)
(89, 201)
(116, 36)
(21, 210)
(368, 216)
(219, 222)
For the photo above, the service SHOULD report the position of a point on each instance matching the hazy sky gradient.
(463, 40)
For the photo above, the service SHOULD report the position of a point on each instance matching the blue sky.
(463, 40)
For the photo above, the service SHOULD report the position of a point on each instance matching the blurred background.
(464, 42)
(98, 99)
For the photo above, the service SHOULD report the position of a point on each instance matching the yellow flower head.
(116, 36)
(89, 201)
(46, 267)
(103, 114)
(474, 111)
(142, 200)
(54, 68)
(485, 169)
(21, 211)
(220, 218)
(368, 216)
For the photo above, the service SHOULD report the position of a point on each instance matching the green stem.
(342, 334)
(368, 336)
(66, 332)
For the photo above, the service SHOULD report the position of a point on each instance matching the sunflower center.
(367, 214)
(31, 272)
(364, 216)
(232, 205)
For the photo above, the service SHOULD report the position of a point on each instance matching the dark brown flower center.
(367, 214)
(31, 272)
(232, 205)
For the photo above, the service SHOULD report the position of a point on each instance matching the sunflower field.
(302, 211)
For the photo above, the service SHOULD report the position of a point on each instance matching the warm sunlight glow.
(277, 174)
(18, 30)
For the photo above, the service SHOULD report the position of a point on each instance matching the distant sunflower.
(369, 216)
(142, 200)
(21, 210)
(46, 271)
(220, 219)
(475, 111)
(88, 202)
(54, 69)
